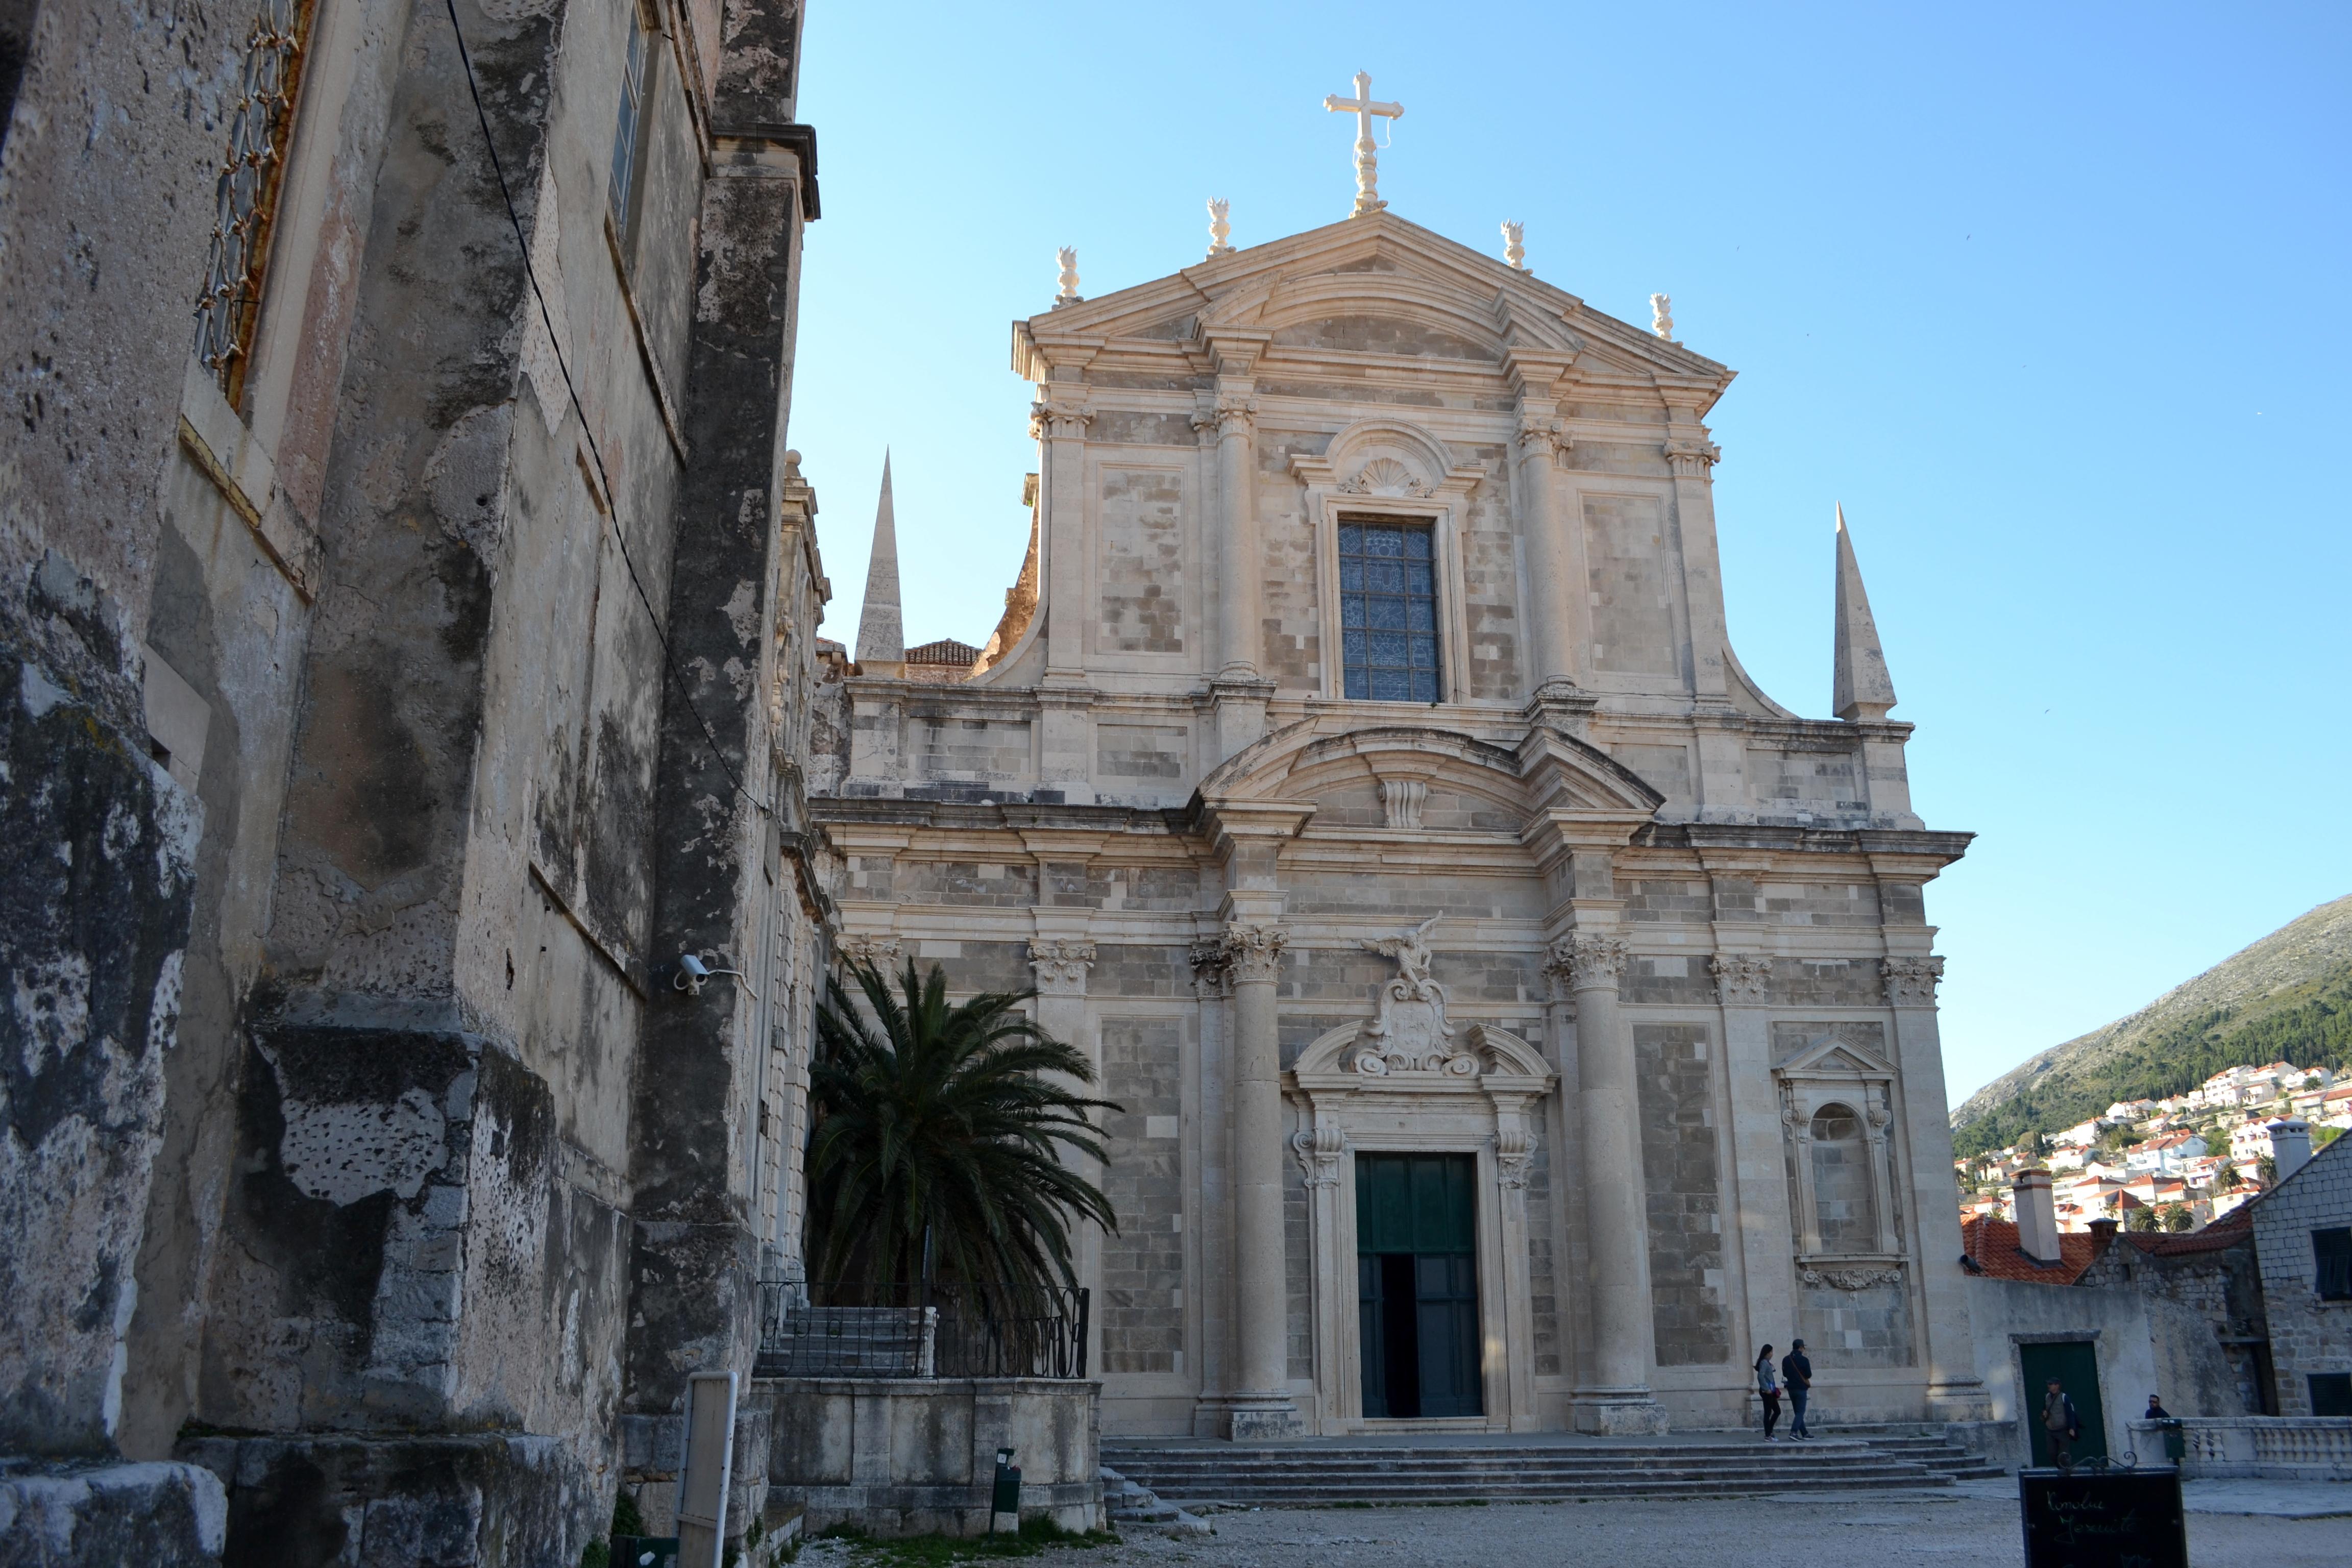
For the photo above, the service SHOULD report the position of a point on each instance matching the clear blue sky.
(2052, 298)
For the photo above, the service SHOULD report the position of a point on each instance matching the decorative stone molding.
(1409, 1032)
(1911, 982)
(1384, 477)
(1688, 457)
(1594, 963)
(1515, 1156)
(1740, 979)
(1061, 963)
(1253, 952)
(1559, 981)
(1539, 434)
(1319, 1150)
(1212, 974)
(1062, 415)
(1235, 415)
(869, 951)
(1850, 1278)
(1401, 801)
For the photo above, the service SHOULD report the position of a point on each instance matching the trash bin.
(1005, 1502)
(2176, 1446)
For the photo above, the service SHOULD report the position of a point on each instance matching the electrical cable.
(588, 431)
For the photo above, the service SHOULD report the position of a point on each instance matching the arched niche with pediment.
(1409, 1080)
(1836, 1090)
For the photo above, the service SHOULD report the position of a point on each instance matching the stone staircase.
(1208, 1476)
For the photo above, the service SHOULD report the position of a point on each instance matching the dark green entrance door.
(2076, 1365)
(1417, 1283)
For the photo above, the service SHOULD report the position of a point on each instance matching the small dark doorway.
(1417, 1284)
(2076, 1365)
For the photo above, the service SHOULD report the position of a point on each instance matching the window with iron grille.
(624, 134)
(2331, 1250)
(1388, 612)
(244, 199)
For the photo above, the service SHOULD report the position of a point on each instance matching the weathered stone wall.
(2206, 1315)
(1681, 1176)
(351, 705)
(2308, 1334)
(1142, 1305)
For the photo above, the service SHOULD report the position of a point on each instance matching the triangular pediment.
(1835, 1050)
(1375, 288)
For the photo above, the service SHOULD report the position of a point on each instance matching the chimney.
(2290, 1145)
(2037, 1216)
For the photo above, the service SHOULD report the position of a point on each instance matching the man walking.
(2061, 1424)
(1797, 1377)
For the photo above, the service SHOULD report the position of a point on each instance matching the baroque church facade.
(1517, 1017)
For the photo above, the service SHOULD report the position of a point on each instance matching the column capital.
(1740, 978)
(1540, 435)
(1235, 413)
(1061, 413)
(1061, 963)
(1911, 982)
(1253, 952)
(1594, 961)
(1692, 457)
(869, 953)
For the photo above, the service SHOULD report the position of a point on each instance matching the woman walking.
(1767, 1389)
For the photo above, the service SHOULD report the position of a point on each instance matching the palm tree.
(936, 1141)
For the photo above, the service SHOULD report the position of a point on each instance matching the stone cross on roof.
(1363, 106)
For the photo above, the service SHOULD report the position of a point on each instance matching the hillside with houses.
(2177, 1164)
(2285, 999)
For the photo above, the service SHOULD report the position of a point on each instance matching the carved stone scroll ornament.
(1318, 1150)
(1515, 1156)
(1212, 974)
(1690, 458)
(1061, 415)
(1235, 414)
(1409, 1032)
(869, 953)
(1594, 963)
(1850, 1278)
(1061, 965)
(1911, 982)
(1401, 801)
(1540, 435)
(1253, 952)
(1740, 979)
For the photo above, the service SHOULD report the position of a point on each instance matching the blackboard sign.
(2103, 1519)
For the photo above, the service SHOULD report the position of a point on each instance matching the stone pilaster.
(1059, 419)
(1617, 1398)
(1925, 1182)
(1757, 1196)
(1060, 962)
(1691, 458)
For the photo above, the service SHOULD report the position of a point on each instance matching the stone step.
(1272, 1475)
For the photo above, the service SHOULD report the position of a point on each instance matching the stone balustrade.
(2271, 1447)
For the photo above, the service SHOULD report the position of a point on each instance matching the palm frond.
(944, 1137)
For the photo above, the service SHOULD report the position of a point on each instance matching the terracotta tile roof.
(1993, 1244)
(947, 650)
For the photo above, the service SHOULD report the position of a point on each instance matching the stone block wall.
(1682, 1178)
(2308, 1334)
(1142, 1306)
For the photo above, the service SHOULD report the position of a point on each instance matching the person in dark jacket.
(1797, 1375)
(2061, 1424)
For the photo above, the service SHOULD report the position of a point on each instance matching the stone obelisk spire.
(1860, 688)
(881, 631)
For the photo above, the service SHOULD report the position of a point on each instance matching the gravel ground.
(1752, 1533)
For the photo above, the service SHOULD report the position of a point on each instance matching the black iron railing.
(839, 1329)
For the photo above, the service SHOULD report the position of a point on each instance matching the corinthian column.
(1617, 1400)
(1237, 563)
(1262, 1406)
(1555, 611)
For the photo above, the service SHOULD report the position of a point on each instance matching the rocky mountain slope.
(2288, 996)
